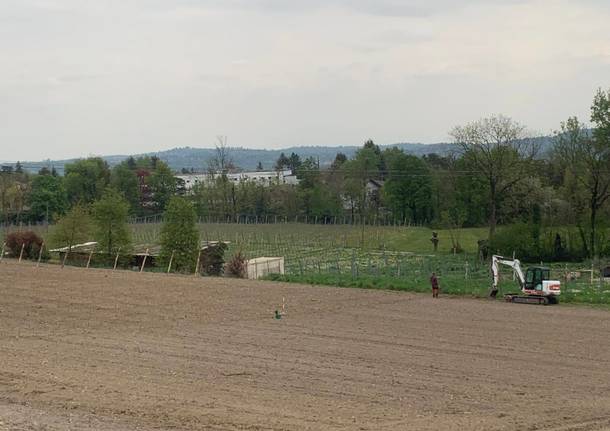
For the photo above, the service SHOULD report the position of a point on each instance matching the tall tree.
(497, 147)
(407, 188)
(282, 162)
(73, 228)
(294, 162)
(309, 177)
(110, 216)
(86, 179)
(586, 156)
(47, 198)
(14, 190)
(222, 161)
(131, 163)
(162, 185)
(126, 181)
(358, 172)
(340, 158)
(179, 235)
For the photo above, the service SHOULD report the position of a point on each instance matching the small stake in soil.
(198, 262)
(144, 262)
(171, 259)
(40, 254)
(63, 262)
(278, 314)
(90, 256)
(21, 253)
(116, 259)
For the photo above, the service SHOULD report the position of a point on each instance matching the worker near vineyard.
(434, 283)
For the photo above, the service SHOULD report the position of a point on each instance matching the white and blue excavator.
(536, 284)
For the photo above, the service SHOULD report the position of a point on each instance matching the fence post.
(90, 256)
(116, 259)
(3, 248)
(23, 247)
(144, 261)
(39, 254)
(63, 262)
(198, 262)
(171, 260)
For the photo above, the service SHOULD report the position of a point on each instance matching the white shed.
(263, 266)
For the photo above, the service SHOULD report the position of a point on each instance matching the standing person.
(434, 283)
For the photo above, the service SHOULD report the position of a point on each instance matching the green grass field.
(403, 239)
(399, 258)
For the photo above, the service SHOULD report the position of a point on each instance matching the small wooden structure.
(78, 253)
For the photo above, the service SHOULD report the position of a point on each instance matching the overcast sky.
(92, 77)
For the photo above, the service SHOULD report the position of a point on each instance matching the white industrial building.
(261, 177)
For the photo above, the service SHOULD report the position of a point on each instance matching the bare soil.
(101, 350)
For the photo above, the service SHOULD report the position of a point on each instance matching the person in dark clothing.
(434, 283)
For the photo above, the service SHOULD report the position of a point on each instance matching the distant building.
(373, 187)
(373, 196)
(262, 177)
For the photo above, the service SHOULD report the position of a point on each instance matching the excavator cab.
(535, 276)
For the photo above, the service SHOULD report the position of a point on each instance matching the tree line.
(497, 177)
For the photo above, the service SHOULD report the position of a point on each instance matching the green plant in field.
(73, 228)
(110, 218)
(179, 236)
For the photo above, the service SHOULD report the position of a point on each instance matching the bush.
(30, 242)
(237, 266)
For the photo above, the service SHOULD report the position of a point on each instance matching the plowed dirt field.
(101, 350)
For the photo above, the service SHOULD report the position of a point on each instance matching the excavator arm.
(515, 264)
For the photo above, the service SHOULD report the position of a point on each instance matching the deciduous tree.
(73, 228)
(86, 179)
(110, 216)
(47, 198)
(179, 235)
(500, 149)
(587, 158)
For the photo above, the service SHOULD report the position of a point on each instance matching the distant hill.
(248, 159)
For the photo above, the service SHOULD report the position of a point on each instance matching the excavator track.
(529, 299)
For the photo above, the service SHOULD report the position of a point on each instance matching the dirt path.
(97, 350)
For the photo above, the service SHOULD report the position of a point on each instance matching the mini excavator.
(536, 285)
